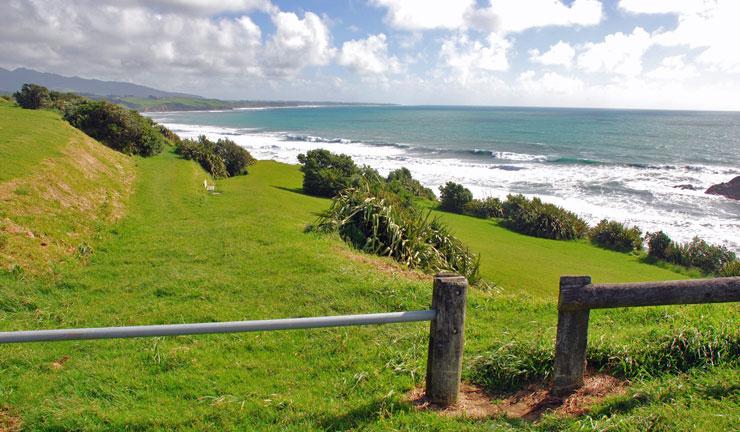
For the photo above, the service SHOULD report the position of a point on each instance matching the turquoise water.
(621, 164)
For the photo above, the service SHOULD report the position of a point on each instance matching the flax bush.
(375, 220)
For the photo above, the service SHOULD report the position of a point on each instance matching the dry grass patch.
(50, 213)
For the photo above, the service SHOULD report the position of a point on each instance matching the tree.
(236, 159)
(32, 96)
(119, 128)
(454, 197)
(325, 173)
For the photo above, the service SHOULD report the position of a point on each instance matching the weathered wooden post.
(446, 339)
(571, 339)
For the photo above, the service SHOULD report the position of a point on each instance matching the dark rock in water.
(731, 189)
(686, 187)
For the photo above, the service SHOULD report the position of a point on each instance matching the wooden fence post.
(446, 338)
(571, 340)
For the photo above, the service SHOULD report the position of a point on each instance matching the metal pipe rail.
(214, 327)
(446, 332)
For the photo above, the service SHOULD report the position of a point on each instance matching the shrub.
(32, 96)
(325, 173)
(222, 158)
(121, 129)
(616, 236)
(454, 197)
(730, 269)
(401, 181)
(658, 245)
(236, 159)
(373, 221)
(170, 136)
(535, 218)
(487, 208)
(698, 253)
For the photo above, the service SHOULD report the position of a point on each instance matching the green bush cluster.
(616, 236)
(486, 208)
(513, 364)
(34, 96)
(374, 220)
(119, 128)
(730, 269)
(535, 218)
(326, 174)
(222, 158)
(714, 259)
(453, 197)
(402, 182)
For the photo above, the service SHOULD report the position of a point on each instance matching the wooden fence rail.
(578, 296)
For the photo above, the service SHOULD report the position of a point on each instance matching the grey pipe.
(216, 327)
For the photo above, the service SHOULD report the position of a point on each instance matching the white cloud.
(506, 16)
(425, 14)
(711, 25)
(673, 68)
(619, 53)
(560, 54)
(660, 6)
(550, 83)
(297, 43)
(467, 57)
(197, 6)
(368, 56)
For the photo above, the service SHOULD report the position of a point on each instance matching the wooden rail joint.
(578, 296)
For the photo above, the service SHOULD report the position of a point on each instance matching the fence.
(446, 336)
(578, 296)
(447, 316)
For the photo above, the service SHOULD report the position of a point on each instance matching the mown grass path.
(181, 255)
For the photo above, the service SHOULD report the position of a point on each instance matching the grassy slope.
(183, 256)
(58, 189)
(28, 138)
(529, 265)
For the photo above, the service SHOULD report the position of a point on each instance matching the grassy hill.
(182, 255)
(58, 189)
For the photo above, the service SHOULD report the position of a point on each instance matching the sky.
(665, 54)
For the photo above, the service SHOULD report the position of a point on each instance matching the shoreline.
(594, 191)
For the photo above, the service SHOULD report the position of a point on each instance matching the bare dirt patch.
(529, 404)
(8, 422)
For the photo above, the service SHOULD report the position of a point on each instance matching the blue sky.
(612, 53)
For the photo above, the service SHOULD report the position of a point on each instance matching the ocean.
(644, 168)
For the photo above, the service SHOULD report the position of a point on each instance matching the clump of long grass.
(375, 220)
(513, 364)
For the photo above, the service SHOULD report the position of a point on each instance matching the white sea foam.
(642, 196)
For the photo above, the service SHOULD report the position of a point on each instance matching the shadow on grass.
(293, 190)
(364, 415)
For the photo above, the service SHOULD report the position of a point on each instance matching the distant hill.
(11, 81)
(134, 96)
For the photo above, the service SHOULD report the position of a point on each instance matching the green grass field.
(180, 255)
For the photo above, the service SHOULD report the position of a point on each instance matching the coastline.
(593, 189)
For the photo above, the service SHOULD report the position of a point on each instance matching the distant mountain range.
(11, 81)
(134, 96)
